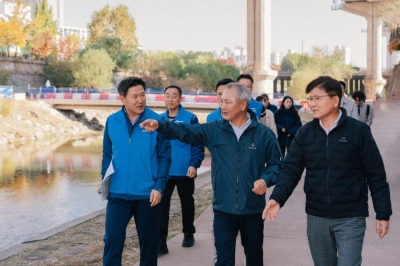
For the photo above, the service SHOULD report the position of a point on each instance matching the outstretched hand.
(271, 211)
(149, 125)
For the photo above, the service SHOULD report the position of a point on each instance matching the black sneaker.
(188, 240)
(162, 247)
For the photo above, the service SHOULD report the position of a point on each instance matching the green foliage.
(122, 56)
(115, 23)
(93, 69)
(293, 62)
(4, 76)
(197, 70)
(320, 63)
(59, 72)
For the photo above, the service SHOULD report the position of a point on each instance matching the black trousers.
(185, 188)
(226, 228)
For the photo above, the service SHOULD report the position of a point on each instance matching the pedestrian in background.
(365, 112)
(287, 122)
(186, 159)
(267, 117)
(220, 87)
(273, 108)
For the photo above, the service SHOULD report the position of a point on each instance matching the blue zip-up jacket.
(236, 165)
(141, 160)
(291, 122)
(184, 155)
(216, 115)
(256, 107)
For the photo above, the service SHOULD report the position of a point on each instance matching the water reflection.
(44, 186)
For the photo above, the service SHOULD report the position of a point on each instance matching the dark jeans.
(185, 188)
(147, 219)
(336, 242)
(226, 228)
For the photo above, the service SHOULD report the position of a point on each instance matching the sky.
(211, 25)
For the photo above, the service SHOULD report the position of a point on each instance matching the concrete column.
(259, 46)
(373, 80)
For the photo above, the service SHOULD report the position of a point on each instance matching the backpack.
(368, 110)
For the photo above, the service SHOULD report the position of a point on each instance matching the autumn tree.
(93, 69)
(67, 46)
(319, 63)
(42, 30)
(114, 23)
(11, 34)
(12, 30)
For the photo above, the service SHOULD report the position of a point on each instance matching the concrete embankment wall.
(23, 73)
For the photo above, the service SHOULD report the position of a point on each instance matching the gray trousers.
(336, 242)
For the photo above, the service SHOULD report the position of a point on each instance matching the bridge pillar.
(373, 81)
(259, 46)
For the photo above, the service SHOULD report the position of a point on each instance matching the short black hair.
(223, 82)
(343, 84)
(265, 96)
(174, 87)
(128, 83)
(328, 84)
(260, 98)
(360, 95)
(244, 76)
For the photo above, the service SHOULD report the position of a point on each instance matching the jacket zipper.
(327, 174)
(237, 177)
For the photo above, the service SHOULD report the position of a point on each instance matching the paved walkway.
(285, 241)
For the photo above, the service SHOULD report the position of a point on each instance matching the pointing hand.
(149, 125)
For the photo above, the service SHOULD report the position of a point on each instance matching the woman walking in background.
(287, 122)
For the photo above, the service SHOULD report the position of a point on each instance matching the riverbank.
(81, 241)
(23, 122)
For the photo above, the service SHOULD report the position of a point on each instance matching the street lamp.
(302, 46)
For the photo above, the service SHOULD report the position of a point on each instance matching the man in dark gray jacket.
(342, 162)
(246, 160)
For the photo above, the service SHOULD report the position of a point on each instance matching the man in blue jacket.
(186, 159)
(247, 81)
(342, 162)
(220, 87)
(245, 161)
(141, 162)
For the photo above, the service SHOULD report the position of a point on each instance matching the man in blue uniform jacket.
(141, 162)
(186, 159)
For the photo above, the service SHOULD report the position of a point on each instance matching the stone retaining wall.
(23, 73)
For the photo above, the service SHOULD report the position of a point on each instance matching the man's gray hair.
(242, 93)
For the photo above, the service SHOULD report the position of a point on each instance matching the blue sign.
(6, 92)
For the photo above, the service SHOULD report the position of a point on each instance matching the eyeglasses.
(317, 98)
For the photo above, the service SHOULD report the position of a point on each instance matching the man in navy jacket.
(245, 161)
(186, 159)
(342, 162)
(141, 162)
